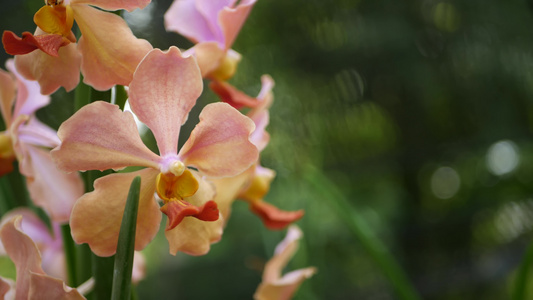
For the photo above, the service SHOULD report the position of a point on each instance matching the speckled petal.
(164, 89)
(100, 136)
(219, 145)
(97, 216)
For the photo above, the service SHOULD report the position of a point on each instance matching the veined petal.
(48, 43)
(7, 95)
(219, 144)
(29, 98)
(46, 287)
(97, 216)
(110, 51)
(184, 18)
(129, 5)
(51, 189)
(163, 91)
(100, 136)
(51, 72)
(22, 252)
(232, 19)
(275, 287)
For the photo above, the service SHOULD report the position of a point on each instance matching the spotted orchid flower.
(275, 286)
(213, 26)
(29, 141)
(252, 185)
(32, 282)
(100, 136)
(107, 52)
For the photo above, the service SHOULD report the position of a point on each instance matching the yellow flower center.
(227, 68)
(171, 187)
(6, 146)
(257, 189)
(55, 18)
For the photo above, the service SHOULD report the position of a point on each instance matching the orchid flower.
(100, 136)
(213, 26)
(29, 140)
(254, 184)
(275, 286)
(31, 282)
(107, 52)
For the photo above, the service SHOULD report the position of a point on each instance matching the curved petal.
(232, 19)
(163, 91)
(227, 190)
(129, 5)
(109, 49)
(48, 43)
(219, 145)
(7, 95)
(46, 287)
(100, 136)
(193, 236)
(51, 189)
(229, 94)
(211, 10)
(184, 18)
(97, 216)
(7, 288)
(29, 98)
(34, 132)
(51, 72)
(23, 252)
(275, 287)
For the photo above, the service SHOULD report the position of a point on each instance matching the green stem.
(82, 95)
(520, 291)
(359, 228)
(70, 255)
(103, 276)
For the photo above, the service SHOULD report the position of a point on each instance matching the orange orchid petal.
(46, 287)
(208, 55)
(179, 209)
(128, 5)
(51, 72)
(7, 95)
(55, 20)
(228, 188)
(110, 51)
(273, 217)
(275, 286)
(97, 216)
(164, 89)
(48, 43)
(100, 136)
(232, 19)
(171, 187)
(7, 288)
(219, 145)
(229, 94)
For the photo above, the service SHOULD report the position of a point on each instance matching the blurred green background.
(419, 113)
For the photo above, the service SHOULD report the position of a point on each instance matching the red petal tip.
(273, 217)
(177, 210)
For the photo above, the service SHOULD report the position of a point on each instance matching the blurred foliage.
(420, 112)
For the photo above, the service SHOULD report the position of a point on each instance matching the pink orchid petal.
(210, 9)
(109, 49)
(53, 190)
(229, 94)
(7, 288)
(219, 145)
(46, 287)
(275, 287)
(22, 252)
(36, 133)
(129, 5)
(97, 216)
(208, 55)
(232, 19)
(139, 267)
(164, 89)
(7, 95)
(100, 136)
(193, 236)
(184, 18)
(260, 137)
(48, 43)
(51, 72)
(29, 98)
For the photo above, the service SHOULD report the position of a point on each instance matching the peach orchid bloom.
(107, 52)
(275, 286)
(29, 141)
(100, 136)
(254, 184)
(31, 282)
(213, 26)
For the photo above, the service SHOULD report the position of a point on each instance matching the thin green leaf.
(520, 288)
(126, 244)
